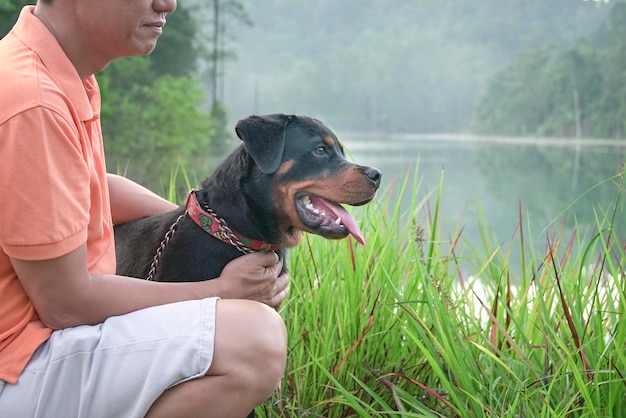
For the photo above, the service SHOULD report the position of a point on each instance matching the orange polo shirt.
(53, 186)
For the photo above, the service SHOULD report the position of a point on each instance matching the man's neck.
(69, 38)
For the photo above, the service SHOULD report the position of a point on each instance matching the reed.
(399, 328)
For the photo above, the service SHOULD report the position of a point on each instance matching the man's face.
(117, 28)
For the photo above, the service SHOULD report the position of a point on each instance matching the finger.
(278, 298)
(282, 281)
(274, 270)
(274, 292)
(264, 259)
(281, 288)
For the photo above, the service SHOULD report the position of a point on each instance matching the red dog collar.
(217, 227)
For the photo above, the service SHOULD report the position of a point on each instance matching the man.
(76, 340)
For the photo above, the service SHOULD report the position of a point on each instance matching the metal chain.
(168, 236)
(228, 233)
(223, 228)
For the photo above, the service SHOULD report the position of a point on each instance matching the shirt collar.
(35, 35)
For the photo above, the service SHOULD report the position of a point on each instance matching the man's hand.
(255, 276)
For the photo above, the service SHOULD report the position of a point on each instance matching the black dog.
(289, 175)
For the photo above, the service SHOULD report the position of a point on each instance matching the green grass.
(397, 329)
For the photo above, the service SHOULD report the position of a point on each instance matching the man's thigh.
(117, 368)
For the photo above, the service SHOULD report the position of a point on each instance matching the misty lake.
(486, 178)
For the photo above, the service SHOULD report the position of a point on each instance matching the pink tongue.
(348, 221)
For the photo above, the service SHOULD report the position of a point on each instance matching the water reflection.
(486, 178)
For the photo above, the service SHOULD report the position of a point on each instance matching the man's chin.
(144, 46)
(148, 48)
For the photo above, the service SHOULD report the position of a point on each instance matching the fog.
(387, 66)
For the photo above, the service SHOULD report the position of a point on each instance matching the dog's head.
(309, 173)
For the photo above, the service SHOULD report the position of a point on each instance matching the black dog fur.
(258, 191)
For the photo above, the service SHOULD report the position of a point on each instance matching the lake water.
(486, 178)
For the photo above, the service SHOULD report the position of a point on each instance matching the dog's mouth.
(326, 218)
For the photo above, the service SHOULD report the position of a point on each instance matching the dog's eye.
(319, 151)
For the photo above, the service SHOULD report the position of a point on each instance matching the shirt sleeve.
(44, 179)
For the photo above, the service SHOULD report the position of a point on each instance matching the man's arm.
(65, 294)
(131, 201)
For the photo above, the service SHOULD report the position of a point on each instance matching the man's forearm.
(109, 295)
(65, 294)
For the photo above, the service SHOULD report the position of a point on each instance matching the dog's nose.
(373, 174)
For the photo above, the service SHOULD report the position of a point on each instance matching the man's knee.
(268, 349)
(249, 356)
(250, 342)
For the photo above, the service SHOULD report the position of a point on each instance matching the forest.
(505, 67)
(392, 66)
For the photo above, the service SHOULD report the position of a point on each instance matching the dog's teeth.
(316, 211)
(338, 221)
(306, 200)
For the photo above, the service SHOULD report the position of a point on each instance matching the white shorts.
(116, 369)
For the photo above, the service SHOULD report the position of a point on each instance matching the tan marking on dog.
(285, 167)
(288, 219)
(329, 141)
(349, 186)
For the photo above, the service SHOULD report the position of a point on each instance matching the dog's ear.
(264, 137)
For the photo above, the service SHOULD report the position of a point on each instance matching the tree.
(224, 16)
(152, 125)
(177, 49)
(9, 10)
(576, 90)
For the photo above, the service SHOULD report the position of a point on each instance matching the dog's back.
(136, 242)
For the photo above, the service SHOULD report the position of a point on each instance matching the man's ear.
(264, 137)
